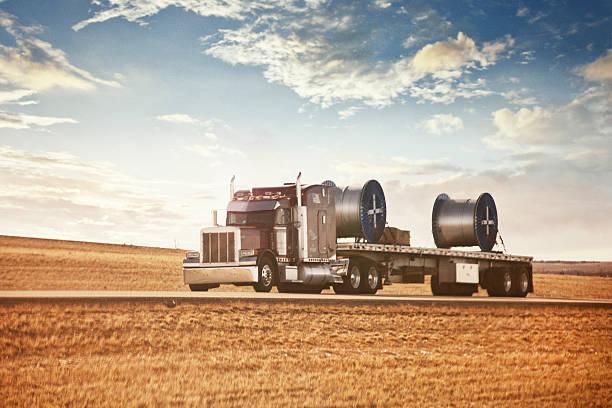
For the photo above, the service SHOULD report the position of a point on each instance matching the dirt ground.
(245, 354)
(40, 264)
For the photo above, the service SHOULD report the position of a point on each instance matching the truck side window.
(282, 216)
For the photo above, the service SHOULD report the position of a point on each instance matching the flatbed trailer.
(453, 272)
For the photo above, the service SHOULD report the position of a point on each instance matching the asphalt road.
(19, 296)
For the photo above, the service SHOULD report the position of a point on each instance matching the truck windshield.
(255, 218)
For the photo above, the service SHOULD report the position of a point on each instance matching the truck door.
(322, 233)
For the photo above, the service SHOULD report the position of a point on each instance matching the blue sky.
(123, 120)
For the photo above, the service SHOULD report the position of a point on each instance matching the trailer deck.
(347, 249)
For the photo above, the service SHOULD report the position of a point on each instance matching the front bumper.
(196, 273)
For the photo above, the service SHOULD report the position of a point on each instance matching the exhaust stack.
(298, 189)
(232, 187)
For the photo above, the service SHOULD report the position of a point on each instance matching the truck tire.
(351, 282)
(370, 279)
(203, 287)
(520, 283)
(500, 283)
(451, 289)
(265, 275)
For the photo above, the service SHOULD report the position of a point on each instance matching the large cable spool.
(467, 222)
(361, 212)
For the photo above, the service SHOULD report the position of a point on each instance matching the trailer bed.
(346, 249)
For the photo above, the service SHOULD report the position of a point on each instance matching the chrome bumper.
(196, 273)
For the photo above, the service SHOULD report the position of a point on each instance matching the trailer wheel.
(451, 289)
(500, 284)
(520, 283)
(370, 279)
(265, 275)
(203, 287)
(351, 282)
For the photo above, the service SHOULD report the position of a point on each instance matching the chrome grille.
(218, 247)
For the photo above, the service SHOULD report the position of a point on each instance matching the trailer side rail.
(416, 251)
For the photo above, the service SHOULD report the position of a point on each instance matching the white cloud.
(527, 57)
(520, 97)
(59, 195)
(600, 69)
(410, 41)
(15, 96)
(22, 121)
(309, 68)
(526, 125)
(383, 4)
(453, 54)
(522, 12)
(137, 10)
(585, 122)
(36, 65)
(348, 112)
(178, 118)
(443, 123)
(215, 151)
(398, 166)
(305, 47)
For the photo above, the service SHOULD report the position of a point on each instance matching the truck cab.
(274, 236)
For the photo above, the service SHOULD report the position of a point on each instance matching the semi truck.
(307, 238)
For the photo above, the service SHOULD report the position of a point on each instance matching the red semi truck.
(306, 238)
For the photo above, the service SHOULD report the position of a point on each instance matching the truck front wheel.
(265, 275)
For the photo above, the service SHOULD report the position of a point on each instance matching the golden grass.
(575, 268)
(41, 264)
(245, 354)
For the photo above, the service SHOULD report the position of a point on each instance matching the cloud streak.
(36, 65)
(22, 121)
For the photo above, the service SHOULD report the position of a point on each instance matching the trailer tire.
(265, 275)
(451, 289)
(352, 281)
(203, 287)
(520, 283)
(370, 279)
(500, 283)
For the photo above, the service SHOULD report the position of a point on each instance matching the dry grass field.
(245, 354)
(237, 353)
(41, 264)
(574, 268)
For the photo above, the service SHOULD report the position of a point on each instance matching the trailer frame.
(499, 273)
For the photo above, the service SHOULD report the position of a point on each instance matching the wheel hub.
(266, 275)
(524, 282)
(355, 277)
(373, 278)
(507, 282)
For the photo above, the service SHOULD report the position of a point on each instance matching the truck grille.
(218, 247)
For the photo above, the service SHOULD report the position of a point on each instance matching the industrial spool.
(361, 212)
(466, 222)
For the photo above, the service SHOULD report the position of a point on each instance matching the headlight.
(247, 252)
(192, 255)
